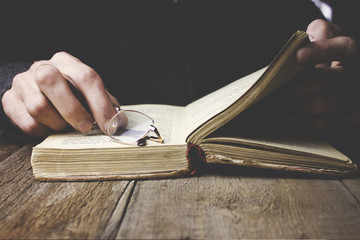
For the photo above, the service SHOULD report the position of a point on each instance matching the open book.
(194, 133)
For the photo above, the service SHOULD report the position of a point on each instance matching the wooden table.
(225, 204)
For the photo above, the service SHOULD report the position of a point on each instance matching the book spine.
(195, 157)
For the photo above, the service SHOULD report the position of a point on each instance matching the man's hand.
(42, 99)
(328, 95)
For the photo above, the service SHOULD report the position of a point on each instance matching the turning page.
(207, 107)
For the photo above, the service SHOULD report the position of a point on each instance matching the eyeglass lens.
(128, 126)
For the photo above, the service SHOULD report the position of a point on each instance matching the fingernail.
(85, 125)
(312, 38)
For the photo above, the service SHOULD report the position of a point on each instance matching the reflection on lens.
(128, 126)
(117, 124)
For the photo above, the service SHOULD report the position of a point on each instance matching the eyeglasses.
(129, 126)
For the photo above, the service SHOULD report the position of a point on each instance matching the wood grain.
(118, 213)
(6, 149)
(212, 206)
(353, 185)
(241, 207)
(32, 209)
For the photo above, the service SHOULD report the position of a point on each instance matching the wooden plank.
(198, 207)
(241, 207)
(6, 149)
(33, 209)
(353, 185)
(118, 214)
(15, 177)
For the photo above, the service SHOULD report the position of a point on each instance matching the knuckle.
(45, 75)
(352, 46)
(37, 64)
(28, 127)
(18, 79)
(87, 75)
(6, 100)
(38, 107)
(60, 55)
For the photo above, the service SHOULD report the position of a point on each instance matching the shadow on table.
(241, 171)
(232, 170)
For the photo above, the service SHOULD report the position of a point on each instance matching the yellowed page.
(170, 121)
(210, 105)
(296, 143)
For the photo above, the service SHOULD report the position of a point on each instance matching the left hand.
(327, 97)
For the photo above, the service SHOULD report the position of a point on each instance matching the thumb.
(321, 30)
(318, 30)
(113, 100)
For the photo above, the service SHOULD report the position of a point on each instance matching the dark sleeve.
(17, 53)
(7, 130)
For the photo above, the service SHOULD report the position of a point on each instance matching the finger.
(37, 105)
(16, 111)
(321, 30)
(113, 100)
(90, 85)
(335, 49)
(54, 86)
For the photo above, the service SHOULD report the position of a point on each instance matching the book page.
(296, 143)
(212, 104)
(169, 120)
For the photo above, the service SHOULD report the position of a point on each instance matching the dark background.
(155, 51)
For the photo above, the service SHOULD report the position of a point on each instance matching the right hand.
(41, 100)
